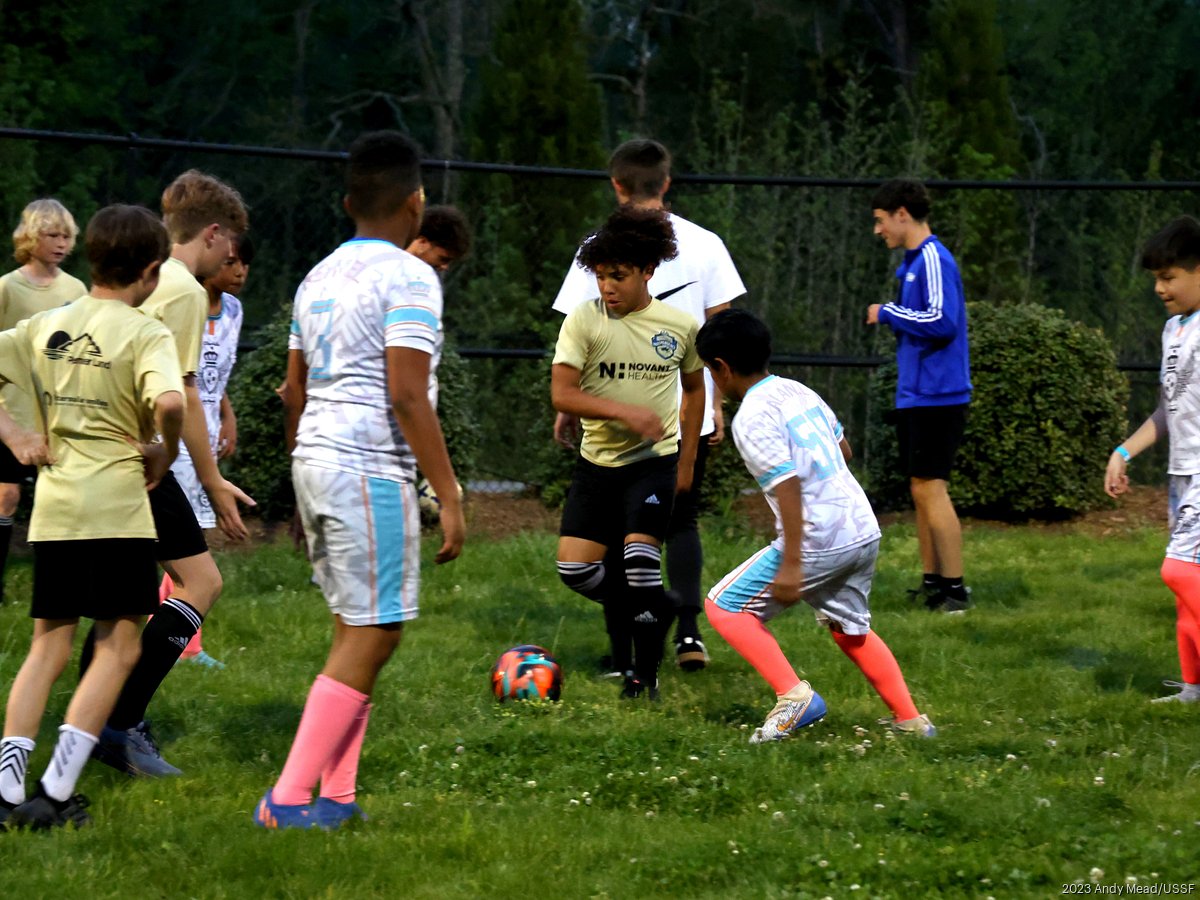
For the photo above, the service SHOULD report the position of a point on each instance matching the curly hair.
(636, 237)
(38, 218)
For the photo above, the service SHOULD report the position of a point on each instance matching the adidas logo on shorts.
(653, 500)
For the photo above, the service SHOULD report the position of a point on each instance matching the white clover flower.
(1131, 879)
(572, 802)
(879, 806)
(1051, 742)
(1043, 801)
(764, 806)
(1010, 756)
(694, 759)
(778, 815)
(1099, 779)
(650, 814)
(904, 795)
(531, 783)
(453, 765)
(1095, 875)
(460, 749)
(823, 863)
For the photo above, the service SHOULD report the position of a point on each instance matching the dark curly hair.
(641, 238)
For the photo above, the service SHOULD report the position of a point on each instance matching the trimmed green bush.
(262, 465)
(1048, 407)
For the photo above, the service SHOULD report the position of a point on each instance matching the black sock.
(620, 634)
(163, 640)
(931, 582)
(685, 556)
(6, 528)
(954, 588)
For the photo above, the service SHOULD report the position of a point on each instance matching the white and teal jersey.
(785, 430)
(1180, 377)
(364, 297)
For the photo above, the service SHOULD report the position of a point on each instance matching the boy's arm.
(168, 422)
(568, 397)
(691, 419)
(937, 320)
(223, 494)
(847, 450)
(29, 447)
(294, 394)
(718, 433)
(408, 389)
(785, 588)
(227, 436)
(1116, 478)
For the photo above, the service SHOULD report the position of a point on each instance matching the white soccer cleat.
(1188, 693)
(797, 708)
(920, 726)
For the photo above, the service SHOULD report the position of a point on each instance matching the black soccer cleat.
(42, 812)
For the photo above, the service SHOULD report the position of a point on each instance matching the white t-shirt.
(784, 429)
(700, 277)
(364, 297)
(218, 353)
(1180, 377)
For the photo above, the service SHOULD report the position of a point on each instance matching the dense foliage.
(1048, 407)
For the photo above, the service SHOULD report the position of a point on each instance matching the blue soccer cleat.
(799, 707)
(269, 814)
(331, 814)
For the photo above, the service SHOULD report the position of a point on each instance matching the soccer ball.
(428, 503)
(527, 672)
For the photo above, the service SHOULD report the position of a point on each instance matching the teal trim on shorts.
(387, 534)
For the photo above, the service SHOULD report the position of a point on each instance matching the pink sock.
(875, 660)
(1183, 578)
(329, 715)
(340, 778)
(750, 637)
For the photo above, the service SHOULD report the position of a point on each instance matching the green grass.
(1050, 761)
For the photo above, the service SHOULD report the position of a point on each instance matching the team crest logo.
(209, 372)
(664, 344)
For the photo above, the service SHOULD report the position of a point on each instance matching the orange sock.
(329, 716)
(750, 637)
(875, 660)
(1183, 578)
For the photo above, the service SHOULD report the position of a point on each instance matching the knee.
(582, 577)
(10, 496)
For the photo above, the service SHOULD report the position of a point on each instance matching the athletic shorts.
(179, 534)
(836, 585)
(364, 540)
(606, 503)
(1183, 513)
(100, 579)
(929, 438)
(11, 471)
(189, 482)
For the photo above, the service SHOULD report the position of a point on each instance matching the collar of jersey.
(756, 384)
(358, 240)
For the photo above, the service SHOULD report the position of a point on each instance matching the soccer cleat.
(134, 752)
(690, 654)
(41, 812)
(799, 707)
(6, 809)
(203, 659)
(1188, 693)
(943, 603)
(923, 593)
(635, 687)
(269, 814)
(331, 814)
(920, 726)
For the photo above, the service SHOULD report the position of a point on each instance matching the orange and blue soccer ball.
(527, 672)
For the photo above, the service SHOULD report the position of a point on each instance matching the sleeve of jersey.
(765, 449)
(184, 317)
(295, 339)
(158, 369)
(724, 284)
(578, 287)
(834, 425)
(571, 348)
(691, 359)
(937, 319)
(414, 312)
(14, 356)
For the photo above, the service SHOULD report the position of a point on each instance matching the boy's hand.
(566, 430)
(873, 313)
(224, 496)
(454, 532)
(1116, 479)
(718, 433)
(155, 462)
(227, 439)
(785, 588)
(31, 449)
(683, 479)
(645, 423)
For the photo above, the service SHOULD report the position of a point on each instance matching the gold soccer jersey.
(97, 367)
(20, 298)
(633, 359)
(180, 303)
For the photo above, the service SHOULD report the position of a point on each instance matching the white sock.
(71, 754)
(14, 762)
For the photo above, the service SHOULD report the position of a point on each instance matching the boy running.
(617, 366)
(1173, 256)
(827, 535)
(203, 215)
(44, 237)
(112, 380)
(359, 421)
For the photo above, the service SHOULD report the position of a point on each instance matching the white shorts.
(836, 585)
(1183, 514)
(364, 539)
(185, 474)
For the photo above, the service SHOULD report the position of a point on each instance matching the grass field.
(1051, 767)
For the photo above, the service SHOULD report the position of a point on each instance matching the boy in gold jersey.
(43, 239)
(108, 380)
(202, 215)
(617, 366)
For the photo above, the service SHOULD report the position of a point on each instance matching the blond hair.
(196, 200)
(38, 218)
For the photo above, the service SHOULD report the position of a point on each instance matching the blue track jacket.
(929, 318)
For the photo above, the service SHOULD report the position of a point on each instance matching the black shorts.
(179, 534)
(606, 503)
(11, 471)
(929, 438)
(99, 579)
(683, 513)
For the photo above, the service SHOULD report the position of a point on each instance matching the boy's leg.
(876, 662)
(1183, 578)
(685, 559)
(10, 496)
(938, 525)
(753, 641)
